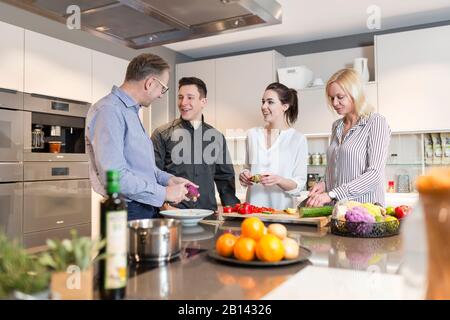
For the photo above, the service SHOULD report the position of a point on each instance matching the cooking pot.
(154, 239)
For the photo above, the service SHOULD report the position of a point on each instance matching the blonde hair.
(351, 83)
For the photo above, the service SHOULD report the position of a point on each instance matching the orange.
(270, 249)
(252, 228)
(225, 244)
(244, 249)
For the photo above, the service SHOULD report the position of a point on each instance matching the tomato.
(401, 211)
(245, 208)
(227, 209)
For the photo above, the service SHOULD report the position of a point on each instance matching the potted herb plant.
(71, 261)
(21, 274)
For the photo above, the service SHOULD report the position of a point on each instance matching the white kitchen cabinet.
(413, 75)
(107, 71)
(240, 84)
(315, 117)
(57, 68)
(205, 70)
(11, 57)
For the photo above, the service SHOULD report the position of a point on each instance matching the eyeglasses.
(164, 87)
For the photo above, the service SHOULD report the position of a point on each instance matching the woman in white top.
(277, 152)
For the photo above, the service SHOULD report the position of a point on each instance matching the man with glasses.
(195, 150)
(116, 139)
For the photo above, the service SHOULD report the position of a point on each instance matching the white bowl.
(188, 217)
(195, 233)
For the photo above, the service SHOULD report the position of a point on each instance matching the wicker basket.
(364, 229)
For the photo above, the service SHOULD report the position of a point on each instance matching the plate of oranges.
(258, 245)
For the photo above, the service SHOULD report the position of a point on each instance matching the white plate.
(188, 217)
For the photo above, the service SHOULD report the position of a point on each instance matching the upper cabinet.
(235, 87)
(107, 71)
(205, 70)
(11, 57)
(240, 84)
(57, 68)
(315, 117)
(413, 72)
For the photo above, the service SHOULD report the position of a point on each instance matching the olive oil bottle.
(113, 228)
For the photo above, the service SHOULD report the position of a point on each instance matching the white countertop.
(319, 283)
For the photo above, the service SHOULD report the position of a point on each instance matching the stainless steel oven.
(44, 182)
(11, 126)
(57, 192)
(11, 199)
(11, 165)
(61, 122)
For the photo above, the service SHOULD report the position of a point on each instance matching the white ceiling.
(306, 20)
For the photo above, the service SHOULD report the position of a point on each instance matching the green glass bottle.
(113, 228)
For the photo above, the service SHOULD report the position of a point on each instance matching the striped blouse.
(356, 162)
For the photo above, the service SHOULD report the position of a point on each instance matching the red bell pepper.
(227, 209)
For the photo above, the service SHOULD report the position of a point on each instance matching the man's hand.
(176, 193)
(167, 206)
(179, 180)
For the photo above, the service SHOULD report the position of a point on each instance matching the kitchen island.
(194, 275)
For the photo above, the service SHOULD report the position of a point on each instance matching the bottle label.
(116, 250)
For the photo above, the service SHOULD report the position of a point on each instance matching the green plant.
(79, 251)
(19, 270)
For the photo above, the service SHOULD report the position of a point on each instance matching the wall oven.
(11, 165)
(44, 178)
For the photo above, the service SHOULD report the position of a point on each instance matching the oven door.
(11, 135)
(56, 204)
(11, 209)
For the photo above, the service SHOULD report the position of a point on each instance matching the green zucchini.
(306, 212)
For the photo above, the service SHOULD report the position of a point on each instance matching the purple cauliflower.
(359, 220)
(192, 192)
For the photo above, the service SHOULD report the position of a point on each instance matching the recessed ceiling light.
(102, 28)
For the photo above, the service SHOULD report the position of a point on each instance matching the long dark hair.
(287, 96)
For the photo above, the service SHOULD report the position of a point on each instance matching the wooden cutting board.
(280, 217)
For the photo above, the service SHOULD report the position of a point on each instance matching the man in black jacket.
(189, 147)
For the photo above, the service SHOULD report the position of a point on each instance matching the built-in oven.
(11, 199)
(56, 195)
(54, 129)
(11, 126)
(57, 192)
(11, 165)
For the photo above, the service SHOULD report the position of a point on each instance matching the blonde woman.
(277, 152)
(359, 145)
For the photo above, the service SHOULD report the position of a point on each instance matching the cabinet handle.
(60, 222)
(60, 171)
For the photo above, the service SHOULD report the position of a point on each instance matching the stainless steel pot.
(154, 239)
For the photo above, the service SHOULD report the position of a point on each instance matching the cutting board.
(280, 217)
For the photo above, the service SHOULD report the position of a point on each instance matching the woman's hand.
(244, 178)
(269, 179)
(317, 188)
(318, 200)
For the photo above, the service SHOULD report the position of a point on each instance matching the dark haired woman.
(277, 152)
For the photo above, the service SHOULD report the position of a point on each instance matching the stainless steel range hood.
(146, 23)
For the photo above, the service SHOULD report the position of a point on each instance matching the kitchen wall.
(161, 111)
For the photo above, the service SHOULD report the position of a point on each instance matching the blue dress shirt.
(116, 139)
